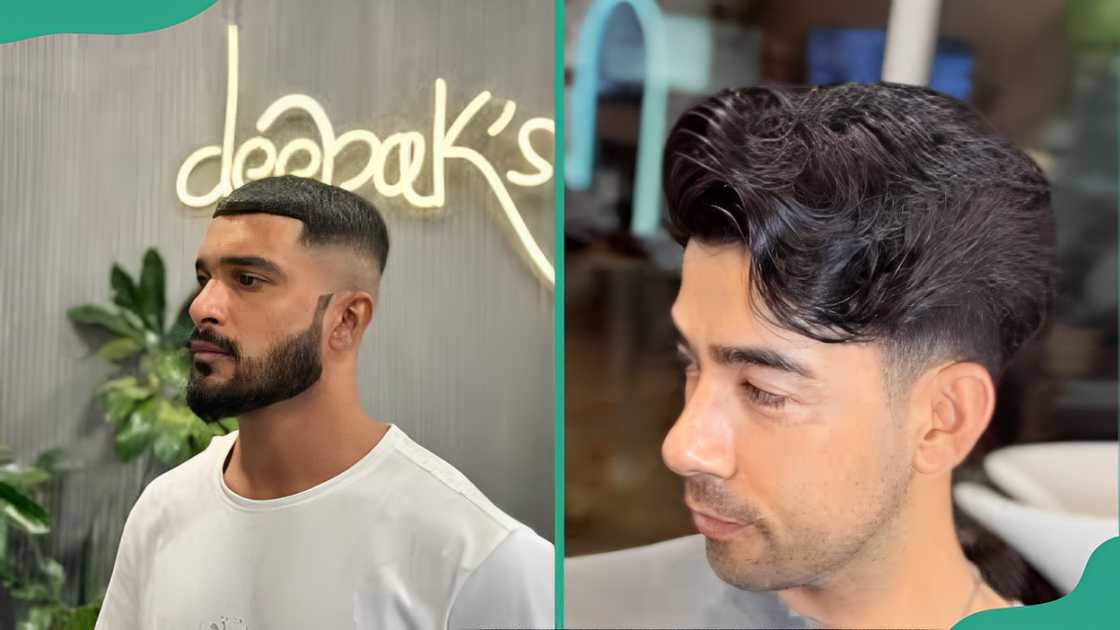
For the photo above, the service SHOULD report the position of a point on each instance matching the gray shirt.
(664, 585)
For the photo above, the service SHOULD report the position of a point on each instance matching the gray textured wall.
(92, 132)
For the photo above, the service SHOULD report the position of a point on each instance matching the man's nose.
(701, 441)
(209, 306)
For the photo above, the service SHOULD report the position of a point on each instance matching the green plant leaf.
(137, 432)
(23, 477)
(172, 368)
(181, 330)
(80, 618)
(117, 409)
(38, 618)
(125, 294)
(152, 299)
(119, 349)
(55, 575)
(24, 511)
(125, 385)
(51, 460)
(4, 571)
(148, 336)
(170, 448)
(173, 426)
(119, 397)
(200, 435)
(100, 316)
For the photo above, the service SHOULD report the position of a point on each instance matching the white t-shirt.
(399, 540)
(665, 585)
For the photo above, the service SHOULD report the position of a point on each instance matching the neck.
(911, 574)
(298, 443)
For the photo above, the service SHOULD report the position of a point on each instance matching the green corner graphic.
(1092, 604)
(22, 19)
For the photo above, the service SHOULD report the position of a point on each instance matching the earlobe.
(959, 404)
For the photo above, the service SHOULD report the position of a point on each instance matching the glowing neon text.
(408, 147)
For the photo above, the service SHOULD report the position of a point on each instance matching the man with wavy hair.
(861, 263)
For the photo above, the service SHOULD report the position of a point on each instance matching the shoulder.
(669, 565)
(522, 552)
(664, 584)
(430, 486)
(654, 579)
(512, 587)
(505, 569)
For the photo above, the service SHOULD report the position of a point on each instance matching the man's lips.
(208, 356)
(206, 351)
(714, 526)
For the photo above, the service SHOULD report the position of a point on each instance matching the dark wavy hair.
(330, 215)
(871, 213)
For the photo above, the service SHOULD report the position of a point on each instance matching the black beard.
(287, 370)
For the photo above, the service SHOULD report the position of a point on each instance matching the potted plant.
(30, 580)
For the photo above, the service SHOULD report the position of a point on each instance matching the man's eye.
(202, 280)
(246, 280)
(763, 397)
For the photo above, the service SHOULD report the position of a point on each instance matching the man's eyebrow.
(762, 357)
(255, 262)
(748, 355)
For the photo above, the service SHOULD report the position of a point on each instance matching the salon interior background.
(94, 130)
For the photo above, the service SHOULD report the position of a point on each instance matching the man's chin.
(204, 397)
(743, 563)
(209, 415)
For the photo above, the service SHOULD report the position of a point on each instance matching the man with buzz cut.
(312, 515)
(861, 263)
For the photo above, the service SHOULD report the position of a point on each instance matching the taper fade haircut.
(871, 213)
(330, 215)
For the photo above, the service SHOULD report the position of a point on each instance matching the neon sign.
(407, 147)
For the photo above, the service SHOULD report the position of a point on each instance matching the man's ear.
(954, 404)
(354, 313)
